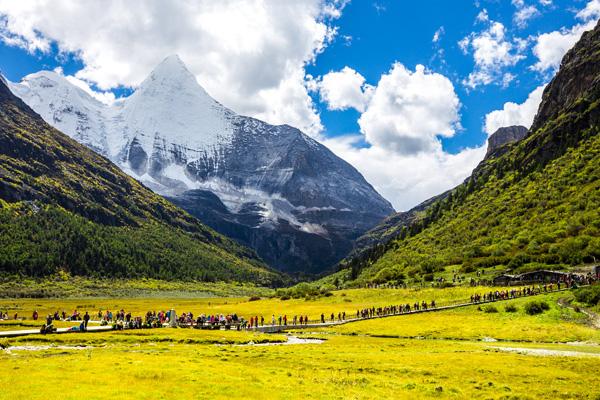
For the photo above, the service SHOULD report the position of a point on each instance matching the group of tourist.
(518, 292)
(394, 309)
(153, 319)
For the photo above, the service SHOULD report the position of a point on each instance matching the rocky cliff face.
(270, 187)
(503, 136)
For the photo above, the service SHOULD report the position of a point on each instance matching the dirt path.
(594, 319)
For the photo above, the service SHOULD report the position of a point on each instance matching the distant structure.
(540, 276)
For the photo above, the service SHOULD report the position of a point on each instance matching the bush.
(510, 308)
(467, 268)
(254, 298)
(536, 307)
(589, 295)
(490, 309)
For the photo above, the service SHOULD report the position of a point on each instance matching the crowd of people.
(153, 319)
(519, 292)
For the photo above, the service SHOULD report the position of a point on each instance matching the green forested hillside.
(532, 205)
(64, 207)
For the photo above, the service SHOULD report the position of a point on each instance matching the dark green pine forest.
(529, 205)
(65, 208)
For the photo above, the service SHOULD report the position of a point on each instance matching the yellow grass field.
(461, 353)
(343, 300)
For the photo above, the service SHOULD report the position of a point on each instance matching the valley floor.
(471, 352)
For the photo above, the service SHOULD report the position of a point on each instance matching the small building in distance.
(544, 275)
(503, 280)
(540, 276)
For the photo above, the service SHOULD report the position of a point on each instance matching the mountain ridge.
(63, 206)
(512, 211)
(308, 205)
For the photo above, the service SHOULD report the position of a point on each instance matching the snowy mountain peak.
(270, 187)
(171, 110)
(57, 84)
(65, 106)
(172, 75)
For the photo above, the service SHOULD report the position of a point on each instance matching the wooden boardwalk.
(282, 328)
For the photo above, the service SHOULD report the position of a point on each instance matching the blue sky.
(345, 72)
(387, 31)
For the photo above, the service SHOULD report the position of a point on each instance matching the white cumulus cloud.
(549, 48)
(515, 114)
(401, 124)
(492, 52)
(409, 109)
(524, 14)
(344, 89)
(407, 179)
(249, 54)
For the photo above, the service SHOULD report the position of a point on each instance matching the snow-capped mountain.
(270, 187)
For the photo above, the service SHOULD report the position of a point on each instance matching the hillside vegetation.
(65, 208)
(534, 204)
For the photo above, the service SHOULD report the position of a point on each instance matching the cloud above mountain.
(401, 122)
(248, 54)
(550, 47)
(515, 114)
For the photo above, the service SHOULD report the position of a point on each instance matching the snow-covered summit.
(67, 107)
(172, 106)
(270, 187)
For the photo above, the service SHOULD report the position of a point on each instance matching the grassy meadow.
(339, 301)
(470, 352)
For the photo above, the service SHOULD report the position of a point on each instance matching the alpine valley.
(65, 209)
(532, 204)
(271, 188)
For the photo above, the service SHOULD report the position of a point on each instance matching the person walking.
(86, 319)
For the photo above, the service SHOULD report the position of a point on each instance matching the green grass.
(555, 325)
(342, 367)
(65, 286)
(343, 300)
(432, 355)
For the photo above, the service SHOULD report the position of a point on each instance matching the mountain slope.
(62, 206)
(498, 143)
(533, 204)
(284, 194)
